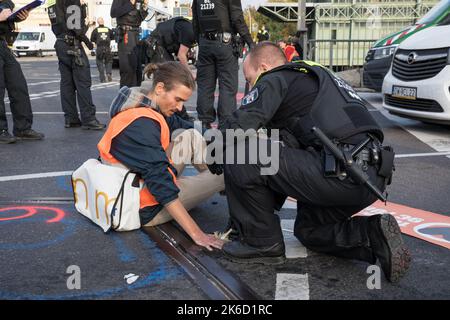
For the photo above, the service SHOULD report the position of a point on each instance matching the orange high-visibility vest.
(117, 125)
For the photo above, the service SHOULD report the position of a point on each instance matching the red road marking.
(32, 210)
(421, 224)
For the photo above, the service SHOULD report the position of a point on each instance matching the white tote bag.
(107, 195)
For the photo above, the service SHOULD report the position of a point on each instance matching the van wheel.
(40, 54)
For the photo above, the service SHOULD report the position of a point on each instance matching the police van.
(418, 83)
(379, 57)
(38, 41)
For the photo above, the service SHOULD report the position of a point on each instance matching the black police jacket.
(167, 34)
(102, 36)
(218, 16)
(300, 95)
(127, 14)
(65, 21)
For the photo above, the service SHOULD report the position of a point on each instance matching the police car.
(418, 83)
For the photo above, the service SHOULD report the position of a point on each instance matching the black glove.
(215, 168)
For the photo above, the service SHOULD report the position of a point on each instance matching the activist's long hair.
(170, 73)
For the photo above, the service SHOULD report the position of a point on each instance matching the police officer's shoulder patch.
(250, 97)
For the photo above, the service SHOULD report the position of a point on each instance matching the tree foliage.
(277, 30)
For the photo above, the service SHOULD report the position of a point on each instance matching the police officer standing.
(102, 37)
(332, 162)
(129, 15)
(13, 80)
(171, 38)
(263, 34)
(216, 22)
(68, 24)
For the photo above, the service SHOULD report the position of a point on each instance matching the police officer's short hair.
(267, 51)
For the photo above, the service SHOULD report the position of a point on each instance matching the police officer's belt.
(222, 36)
(128, 28)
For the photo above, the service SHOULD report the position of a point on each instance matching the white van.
(38, 41)
(418, 83)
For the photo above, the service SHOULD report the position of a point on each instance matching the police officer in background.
(129, 15)
(102, 37)
(171, 38)
(216, 22)
(297, 98)
(13, 80)
(68, 25)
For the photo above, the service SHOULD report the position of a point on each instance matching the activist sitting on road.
(138, 137)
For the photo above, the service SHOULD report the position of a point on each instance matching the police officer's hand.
(4, 14)
(215, 168)
(22, 16)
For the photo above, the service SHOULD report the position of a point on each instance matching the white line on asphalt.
(49, 113)
(431, 154)
(292, 287)
(43, 82)
(36, 176)
(49, 94)
(294, 248)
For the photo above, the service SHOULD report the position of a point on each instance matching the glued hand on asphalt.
(209, 241)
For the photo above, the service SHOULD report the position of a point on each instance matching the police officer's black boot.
(388, 246)
(6, 137)
(29, 134)
(240, 252)
(93, 125)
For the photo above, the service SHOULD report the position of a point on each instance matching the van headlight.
(384, 52)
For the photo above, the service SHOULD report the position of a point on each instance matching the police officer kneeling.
(295, 98)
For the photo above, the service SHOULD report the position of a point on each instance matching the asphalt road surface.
(41, 243)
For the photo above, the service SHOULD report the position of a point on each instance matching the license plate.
(404, 92)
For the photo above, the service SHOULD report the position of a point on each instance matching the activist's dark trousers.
(104, 62)
(75, 85)
(13, 80)
(324, 207)
(129, 59)
(216, 61)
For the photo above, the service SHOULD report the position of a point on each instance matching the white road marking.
(49, 113)
(437, 137)
(294, 249)
(35, 176)
(431, 154)
(43, 82)
(49, 94)
(292, 287)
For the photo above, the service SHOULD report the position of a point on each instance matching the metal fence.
(339, 54)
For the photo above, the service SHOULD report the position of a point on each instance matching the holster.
(237, 44)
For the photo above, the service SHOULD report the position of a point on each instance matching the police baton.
(352, 169)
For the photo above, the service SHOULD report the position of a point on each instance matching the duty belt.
(365, 154)
(224, 37)
(128, 28)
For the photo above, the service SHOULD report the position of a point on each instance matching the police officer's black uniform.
(294, 98)
(13, 80)
(102, 37)
(129, 19)
(73, 63)
(164, 42)
(217, 22)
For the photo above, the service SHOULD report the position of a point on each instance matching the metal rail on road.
(216, 282)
